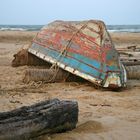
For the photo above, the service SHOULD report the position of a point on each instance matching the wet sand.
(103, 115)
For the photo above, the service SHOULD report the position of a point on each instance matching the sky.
(40, 12)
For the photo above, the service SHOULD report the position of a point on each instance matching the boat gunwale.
(90, 78)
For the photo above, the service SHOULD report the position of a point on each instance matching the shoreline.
(17, 36)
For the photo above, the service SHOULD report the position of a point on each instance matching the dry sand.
(103, 115)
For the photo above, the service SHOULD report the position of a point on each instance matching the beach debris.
(132, 47)
(23, 57)
(129, 55)
(133, 72)
(82, 48)
(128, 48)
(46, 117)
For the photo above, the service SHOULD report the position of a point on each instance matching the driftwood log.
(23, 57)
(50, 76)
(133, 72)
(46, 117)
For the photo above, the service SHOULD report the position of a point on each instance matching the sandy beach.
(103, 115)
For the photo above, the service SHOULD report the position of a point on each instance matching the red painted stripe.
(86, 53)
(76, 41)
(100, 70)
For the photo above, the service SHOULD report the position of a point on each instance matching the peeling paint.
(82, 48)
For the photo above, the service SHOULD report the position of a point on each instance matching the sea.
(110, 28)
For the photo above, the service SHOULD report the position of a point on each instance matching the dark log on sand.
(46, 117)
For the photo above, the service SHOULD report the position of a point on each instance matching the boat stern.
(115, 80)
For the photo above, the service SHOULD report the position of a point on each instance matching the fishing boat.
(83, 48)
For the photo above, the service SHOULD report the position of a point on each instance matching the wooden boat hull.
(82, 48)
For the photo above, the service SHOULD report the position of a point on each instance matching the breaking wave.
(124, 28)
(111, 28)
(20, 27)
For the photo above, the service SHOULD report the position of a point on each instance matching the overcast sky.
(41, 12)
